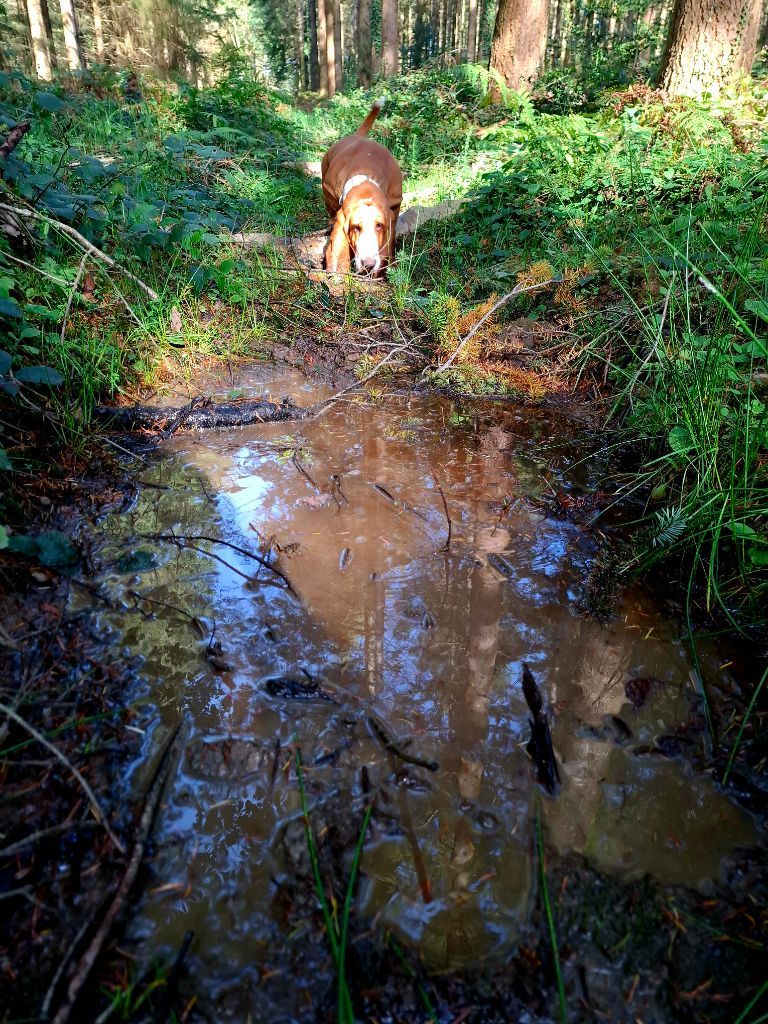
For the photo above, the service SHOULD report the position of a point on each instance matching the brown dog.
(363, 190)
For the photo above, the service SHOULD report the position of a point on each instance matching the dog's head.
(367, 224)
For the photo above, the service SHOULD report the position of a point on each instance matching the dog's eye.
(379, 225)
(356, 227)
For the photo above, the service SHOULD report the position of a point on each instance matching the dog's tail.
(367, 124)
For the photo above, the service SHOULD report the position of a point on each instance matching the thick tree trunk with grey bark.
(72, 36)
(711, 44)
(520, 41)
(390, 63)
(40, 51)
(364, 71)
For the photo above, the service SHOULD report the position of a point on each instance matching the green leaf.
(9, 308)
(57, 550)
(23, 545)
(47, 101)
(3, 537)
(5, 363)
(758, 556)
(758, 306)
(680, 440)
(39, 375)
(741, 531)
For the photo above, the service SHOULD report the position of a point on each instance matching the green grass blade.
(742, 727)
(753, 1002)
(561, 998)
(347, 910)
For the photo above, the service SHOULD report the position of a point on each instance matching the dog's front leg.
(337, 253)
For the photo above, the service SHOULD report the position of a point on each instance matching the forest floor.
(617, 215)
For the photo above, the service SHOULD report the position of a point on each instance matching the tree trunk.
(98, 31)
(472, 32)
(72, 36)
(314, 64)
(337, 45)
(330, 46)
(710, 44)
(40, 50)
(519, 41)
(389, 42)
(49, 32)
(299, 45)
(364, 76)
(327, 72)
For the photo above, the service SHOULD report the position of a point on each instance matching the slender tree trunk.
(472, 32)
(520, 41)
(98, 30)
(324, 32)
(711, 43)
(72, 36)
(330, 46)
(443, 41)
(364, 75)
(389, 42)
(314, 64)
(337, 45)
(299, 45)
(37, 33)
(49, 32)
(557, 33)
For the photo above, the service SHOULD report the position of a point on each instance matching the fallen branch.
(27, 214)
(517, 290)
(91, 954)
(99, 813)
(198, 414)
(15, 135)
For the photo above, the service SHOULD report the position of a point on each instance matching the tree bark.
(338, 49)
(519, 41)
(299, 45)
(472, 31)
(40, 49)
(364, 75)
(330, 46)
(314, 64)
(98, 31)
(72, 36)
(710, 44)
(389, 40)
(49, 33)
(326, 72)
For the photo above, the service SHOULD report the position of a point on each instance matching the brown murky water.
(430, 641)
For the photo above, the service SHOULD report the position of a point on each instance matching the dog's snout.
(368, 264)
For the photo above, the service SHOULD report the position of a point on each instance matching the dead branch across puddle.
(191, 542)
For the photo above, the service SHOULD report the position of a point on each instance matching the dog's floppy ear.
(337, 253)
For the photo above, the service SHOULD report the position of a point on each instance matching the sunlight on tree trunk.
(49, 32)
(472, 31)
(299, 45)
(711, 44)
(40, 51)
(337, 46)
(71, 35)
(390, 64)
(322, 50)
(330, 47)
(519, 42)
(364, 44)
(98, 31)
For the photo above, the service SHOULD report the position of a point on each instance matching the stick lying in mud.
(540, 746)
(89, 957)
(392, 747)
(100, 816)
(198, 414)
(399, 502)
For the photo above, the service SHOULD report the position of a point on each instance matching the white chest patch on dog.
(353, 182)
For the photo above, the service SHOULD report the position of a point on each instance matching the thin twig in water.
(100, 815)
(517, 290)
(447, 546)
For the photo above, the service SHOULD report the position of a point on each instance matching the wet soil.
(290, 592)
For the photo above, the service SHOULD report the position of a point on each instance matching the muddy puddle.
(378, 641)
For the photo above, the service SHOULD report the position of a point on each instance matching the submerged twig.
(96, 806)
(447, 545)
(381, 734)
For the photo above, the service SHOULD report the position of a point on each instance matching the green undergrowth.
(643, 222)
